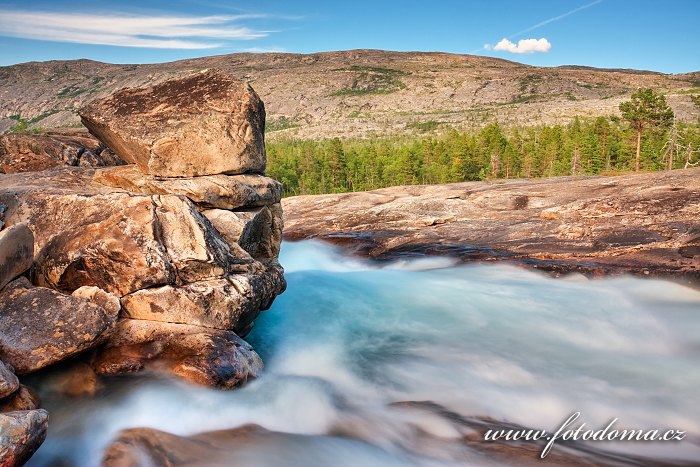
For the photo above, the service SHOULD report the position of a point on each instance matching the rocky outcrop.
(646, 224)
(129, 260)
(21, 434)
(204, 124)
(32, 153)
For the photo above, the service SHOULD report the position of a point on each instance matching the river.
(351, 337)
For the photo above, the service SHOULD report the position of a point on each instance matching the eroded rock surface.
(245, 445)
(204, 124)
(646, 224)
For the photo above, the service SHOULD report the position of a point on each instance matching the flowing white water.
(350, 337)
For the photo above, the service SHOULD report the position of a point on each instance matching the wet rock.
(8, 381)
(197, 354)
(213, 191)
(21, 434)
(23, 399)
(203, 124)
(593, 225)
(40, 326)
(16, 252)
(247, 445)
(231, 302)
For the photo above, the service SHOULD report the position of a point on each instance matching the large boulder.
(21, 434)
(16, 252)
(40, 326)
(198, 354)
(203, 124)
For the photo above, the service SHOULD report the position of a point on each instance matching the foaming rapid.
(350, 338)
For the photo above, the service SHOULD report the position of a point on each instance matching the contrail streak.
(556, 18)
(547, 21)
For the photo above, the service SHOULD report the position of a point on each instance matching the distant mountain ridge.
(357, 93)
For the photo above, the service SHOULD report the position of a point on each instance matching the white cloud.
(124, 30)
(524, 46)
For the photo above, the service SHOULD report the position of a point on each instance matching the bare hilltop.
(358, 93)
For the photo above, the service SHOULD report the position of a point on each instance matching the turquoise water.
(350, 337)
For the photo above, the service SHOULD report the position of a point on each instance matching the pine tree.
(647, 108)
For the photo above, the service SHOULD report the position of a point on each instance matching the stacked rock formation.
(164, 263)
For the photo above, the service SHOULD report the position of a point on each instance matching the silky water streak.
(351, 338)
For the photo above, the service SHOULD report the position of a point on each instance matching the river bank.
(641, 224)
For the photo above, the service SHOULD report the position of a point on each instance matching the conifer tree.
(646, 108)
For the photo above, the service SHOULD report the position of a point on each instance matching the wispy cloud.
(524, 46)
(125, 30)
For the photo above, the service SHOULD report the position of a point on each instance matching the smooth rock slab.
(204, 124)
(230, 303)
(16, 252)
(8, 381)
(40, 326)
(212, 191)
(197, 354)
(21, 434)
(646, 224)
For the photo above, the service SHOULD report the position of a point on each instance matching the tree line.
(646, 138)
(584, 147)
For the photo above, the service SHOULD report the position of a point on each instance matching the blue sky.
(643, 34)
